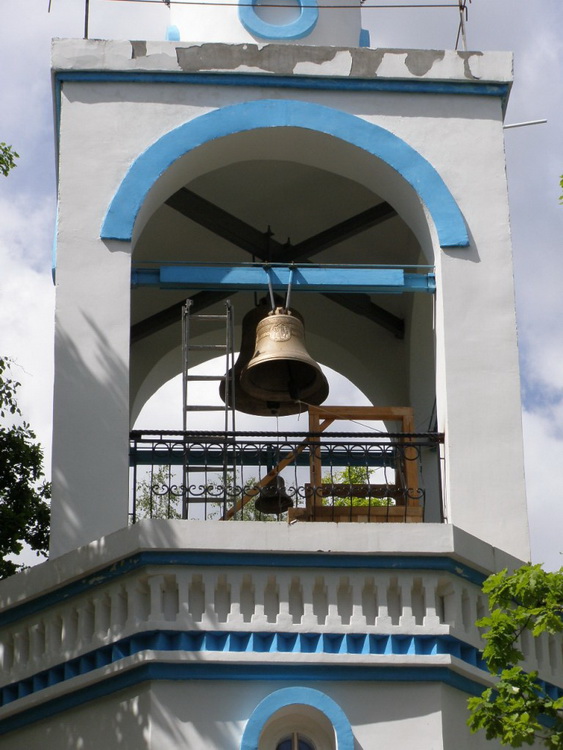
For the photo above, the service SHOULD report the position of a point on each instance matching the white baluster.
(102, 606)
(21, 651)
(405, 583)
(358, 619)
(156, 585)
(209, 582)
(260, 582)
(70, 631)
(236, 618)
(284, 619)
(183, 579)
(383, 619)
(309, 621)
(118, 611)
(333, 619)
(431, 602)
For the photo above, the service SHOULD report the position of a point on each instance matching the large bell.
(244, 401)
(273, 498)
(281, 368)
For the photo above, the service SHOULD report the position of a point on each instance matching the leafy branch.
(7, 159)
(518, 710)
(24, 512)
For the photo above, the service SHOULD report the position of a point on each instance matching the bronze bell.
(281, 368)
(273, 499)
(244, 401)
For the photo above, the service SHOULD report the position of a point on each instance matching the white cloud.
(27, 296)
(544, 479)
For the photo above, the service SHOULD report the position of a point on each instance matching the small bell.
(273, 499)
(281, 368)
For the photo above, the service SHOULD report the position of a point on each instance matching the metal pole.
(86, 17)
(523, 124)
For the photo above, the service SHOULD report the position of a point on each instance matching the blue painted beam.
(303, 279)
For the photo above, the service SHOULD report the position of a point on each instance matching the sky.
(532, 29)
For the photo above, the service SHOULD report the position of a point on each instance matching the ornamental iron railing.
(313, 476)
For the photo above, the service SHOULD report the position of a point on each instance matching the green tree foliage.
(24, 512)
(518, 711)
(353, 475)
(7, 159)
(159, 496)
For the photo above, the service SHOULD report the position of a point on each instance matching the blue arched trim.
(302, 26)
(301, 696)
(152, 163)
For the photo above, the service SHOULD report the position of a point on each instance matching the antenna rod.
(522, 124)
(86, 15)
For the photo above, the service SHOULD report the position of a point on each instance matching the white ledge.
(281, 60)
(403, 540)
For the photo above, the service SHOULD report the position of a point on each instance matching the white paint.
(110, 124)
(446, 65)
(207, 22)
(200, 597)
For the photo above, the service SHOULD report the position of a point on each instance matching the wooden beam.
(338, 233)
(261, 244)
(225, 225)
(361, 304)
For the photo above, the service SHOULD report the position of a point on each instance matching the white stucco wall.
(105, 125)
(113, 594)
(209, 714)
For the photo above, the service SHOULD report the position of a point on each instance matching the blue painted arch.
(297, 696)
(375, 140)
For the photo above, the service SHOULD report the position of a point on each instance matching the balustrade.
(211, 599)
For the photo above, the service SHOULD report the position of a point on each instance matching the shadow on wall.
(90, 440)
(118, 721)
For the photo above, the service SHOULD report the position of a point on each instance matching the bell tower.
(310, 584)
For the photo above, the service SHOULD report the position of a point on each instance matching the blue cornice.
(239, 672)
(238, 559)
(215, 671)
(261, 643)
(323, 83)
(237, 642)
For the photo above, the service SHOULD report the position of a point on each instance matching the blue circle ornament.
(302, 26)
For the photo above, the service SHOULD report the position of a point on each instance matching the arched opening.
(298, 715)
(294, 202)
(291, 195)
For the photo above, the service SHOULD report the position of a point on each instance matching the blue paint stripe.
(235, 559)
(314, 279)
(237, 642)
(237, 672)
(418, 86)
(242, 672)
(373, 139)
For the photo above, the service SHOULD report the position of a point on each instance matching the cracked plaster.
(282, 60)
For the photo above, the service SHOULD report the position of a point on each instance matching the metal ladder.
(190, 322)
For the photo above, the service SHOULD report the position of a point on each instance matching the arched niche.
(305, 711)
(298, 170)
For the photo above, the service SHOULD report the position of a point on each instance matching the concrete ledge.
(360, 540)
(281, 60)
